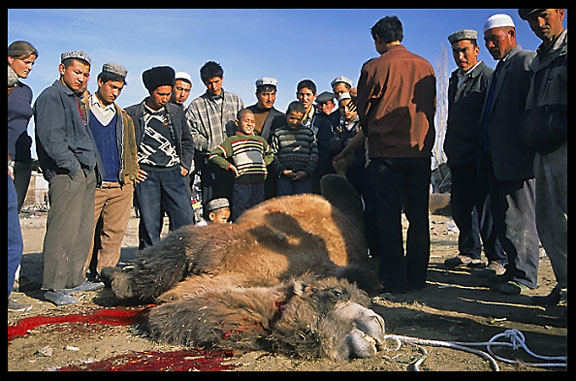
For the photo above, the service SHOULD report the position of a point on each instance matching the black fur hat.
(158, 76)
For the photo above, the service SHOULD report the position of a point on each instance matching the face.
(500, 41)
(266, 99)
(294, 119)
(326, 107)
(465, 54)
(345, 111)
(214, 85)
(22, 66)
(339, 89)
(159, 97)
(547, 24)
(219, 216)
(76, 75)
(181, 91)
(306, 97)
(109, 91)
(246, 123)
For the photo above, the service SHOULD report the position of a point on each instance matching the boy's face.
(246, 123)
(345, 110)
(306, 97)
(294, 119)
(219, 216)
(214, 85)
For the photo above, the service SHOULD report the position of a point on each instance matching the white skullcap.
(184, 76)
(499, 20)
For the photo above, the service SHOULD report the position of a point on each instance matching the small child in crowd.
(247, 156)
(217, 212)
(296, 153)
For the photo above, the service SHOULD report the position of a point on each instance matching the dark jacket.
(274, 120)
(184, 143)
(63, 142)
(511, 159)
(463, 129)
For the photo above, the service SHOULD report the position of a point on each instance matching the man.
(211, 117)
(399, 126)
(267, 117)
(113, 132)
(181, 88)
(341, 85)
(322, 129)
(165, 154)
(466, 92)
(507, 163)
(327, 108)
(70, 162)
(547, 124)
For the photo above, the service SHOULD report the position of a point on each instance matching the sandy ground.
(456, 305)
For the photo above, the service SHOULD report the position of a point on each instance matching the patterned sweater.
(295, 149)
(250, 154)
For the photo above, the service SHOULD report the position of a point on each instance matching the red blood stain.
(175, 361)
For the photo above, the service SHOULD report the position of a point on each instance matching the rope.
(516, 338)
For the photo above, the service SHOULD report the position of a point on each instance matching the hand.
(142, 175)
(341, 155)
(300, 175)
(183, 171)
(235, 170)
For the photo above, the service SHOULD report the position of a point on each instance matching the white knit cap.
(499, 20)
(184, 76)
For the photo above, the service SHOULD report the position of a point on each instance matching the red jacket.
(396, 104)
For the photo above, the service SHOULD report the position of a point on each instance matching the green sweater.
(250, 154)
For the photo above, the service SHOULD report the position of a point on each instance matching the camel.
(293, 251)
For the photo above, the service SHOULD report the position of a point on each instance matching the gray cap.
(341, 78)
(267, 81)
(464, 34)
(325, 97)
(525, 13)
(116, 69)
(217, 203)
(78, 54)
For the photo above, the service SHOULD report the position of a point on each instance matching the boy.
(296, 152)
(217, 212)
(247, 156)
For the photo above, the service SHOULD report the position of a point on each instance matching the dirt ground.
(456, 305)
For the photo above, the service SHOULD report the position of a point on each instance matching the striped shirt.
(295, 149)
(250, 154)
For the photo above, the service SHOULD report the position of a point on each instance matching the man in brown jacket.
(396, 104)
(113, 132)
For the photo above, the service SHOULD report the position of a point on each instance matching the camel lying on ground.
(286, 276)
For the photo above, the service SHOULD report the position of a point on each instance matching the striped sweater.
(295, 149)
(250, 154)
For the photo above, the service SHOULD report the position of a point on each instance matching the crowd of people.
(506, 144)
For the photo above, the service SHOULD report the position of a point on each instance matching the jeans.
(402, 184)
(162, 191)
(15, 244)
(287, 186)
(245, 196)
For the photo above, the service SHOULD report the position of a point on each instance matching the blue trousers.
(287, 186)
(15, 244)
(162, 191)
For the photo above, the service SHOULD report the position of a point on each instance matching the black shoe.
(556, 298)
(60, 298)
(85, 287)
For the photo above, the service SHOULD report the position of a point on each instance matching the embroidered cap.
(217, 203)
(116, 69)
(266, 81)
(183, 76)
(341, 78)
(464, 34)
(77, 54)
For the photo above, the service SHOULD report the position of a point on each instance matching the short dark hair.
(211, 69)
(263, 88)
(306, 83)
(296, 107)
(388, 28)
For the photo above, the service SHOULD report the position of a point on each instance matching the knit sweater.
(295, 149)
(250, 154)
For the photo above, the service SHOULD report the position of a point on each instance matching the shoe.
(493, 269)
(557, 297)
(85, 287)
(18, 307)
(60, 298)
(512, 287)
(460, 260)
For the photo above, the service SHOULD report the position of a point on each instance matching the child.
(247, 156)
(296, 153)
(217, 212)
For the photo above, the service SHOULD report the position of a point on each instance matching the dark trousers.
(513, 210)
(162, 191)
(69, 230)
(402, 183)
(214, 181)
(15, 244)
(471, 210)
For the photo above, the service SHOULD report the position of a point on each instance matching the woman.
(21, 58)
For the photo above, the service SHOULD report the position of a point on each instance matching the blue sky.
(288, 44)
